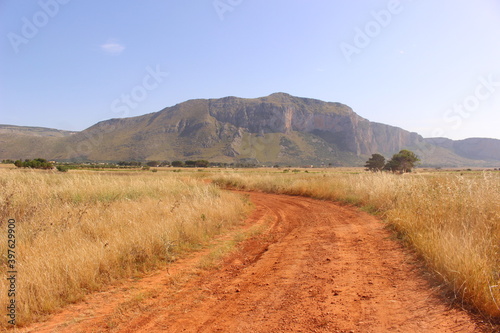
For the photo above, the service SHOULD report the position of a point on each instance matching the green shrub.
(62, 168)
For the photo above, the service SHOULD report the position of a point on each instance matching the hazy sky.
(432, 67)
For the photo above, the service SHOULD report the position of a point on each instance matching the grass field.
(78, 231)
(451, 219)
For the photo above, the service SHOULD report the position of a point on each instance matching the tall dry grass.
(452, 221)
(77, 231)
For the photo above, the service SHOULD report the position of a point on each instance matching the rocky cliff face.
(335, 123)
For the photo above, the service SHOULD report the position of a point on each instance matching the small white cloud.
(112, 47)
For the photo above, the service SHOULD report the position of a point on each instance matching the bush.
(37, 163)
(62, 168)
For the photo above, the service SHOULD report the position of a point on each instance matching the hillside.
(472, 148)
(19, 142)
(33, 131)
(279, 128)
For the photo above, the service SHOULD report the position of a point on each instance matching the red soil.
(318, 267)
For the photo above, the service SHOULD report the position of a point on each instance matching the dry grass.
(79, 231)
(7, 166)
(451, 220)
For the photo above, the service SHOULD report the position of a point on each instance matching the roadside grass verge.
(452, 221)
(79, 231)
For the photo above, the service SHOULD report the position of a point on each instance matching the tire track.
(319, 267)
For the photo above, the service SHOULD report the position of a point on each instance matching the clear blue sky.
(427, 66)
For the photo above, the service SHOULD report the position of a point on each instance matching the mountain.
(472, 148)
(279, 128)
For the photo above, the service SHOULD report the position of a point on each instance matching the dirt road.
(319, 267)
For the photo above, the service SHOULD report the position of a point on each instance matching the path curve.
(319, 267)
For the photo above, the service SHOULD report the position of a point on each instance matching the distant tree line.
(205, 164)
(402, 162)
(37, 163)
(235, 165)
(130, 163)
(191, 164)
(40, 163)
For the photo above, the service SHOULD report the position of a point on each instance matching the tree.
(62, 168)
(402, 162)
(177, 164)
(375, 163)
(153, 163)
(391, 165)
(202, 164)
(130, 163)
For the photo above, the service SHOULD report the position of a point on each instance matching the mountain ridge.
(34, 131)
(279, 128)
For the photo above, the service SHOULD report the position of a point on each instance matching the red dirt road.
(318, 267)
